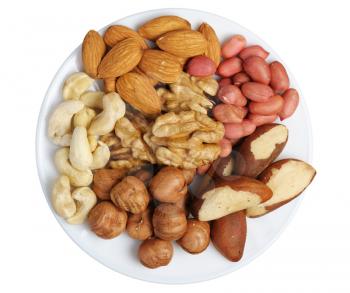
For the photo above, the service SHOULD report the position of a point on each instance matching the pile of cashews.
(75, 126)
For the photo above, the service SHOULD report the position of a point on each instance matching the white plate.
(120, 254)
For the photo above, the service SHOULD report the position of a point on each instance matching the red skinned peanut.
(258, 69)
(226, 147)
(291, 101)
(224, 81)
(230, 67)
(248, 127)
(272, 106)
(201, 66)
(231, 94)
(238, 130)
(233, 46)
(240, 78)
(261, 119)
(226, 113)
(279, 77)
(255, 50)
(257, 92)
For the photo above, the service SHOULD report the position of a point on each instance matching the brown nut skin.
(144, 175)
(154, 253)
(131, 195)
(169, 222)
(169, 185)
(189, 175)
(183, 203)
(104, 180)
(229, 235)
(196, 238)
(107, 220)
(139, 226)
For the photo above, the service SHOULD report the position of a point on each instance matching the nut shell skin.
(104, 180)
(106, 220)
(196, 238)
(131, 195)
(169, 185)
(189, 175)
(139, 226)
(154, 253)
(169, 222)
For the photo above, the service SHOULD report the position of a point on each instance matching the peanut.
(229, 113)
(238, 130)
(255, 50)
(233, 46)
(272, 106)
(240, 78)
(257, 92)
(226, 147)
(201, 66)
(258, 69)
(291, 101)
(231, 94)
(279, 77)
(230, 67)
(224, 81)
(261, 119)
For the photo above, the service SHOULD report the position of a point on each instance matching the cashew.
(79, 152)
(100, 156)
(59, 129)
(62, 200)
(92, 99)
(113, 109)
(75, 85)
(93, 142)
(84, 117)
(77, 178)
(85, 200)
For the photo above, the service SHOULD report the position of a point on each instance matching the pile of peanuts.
(252, 91)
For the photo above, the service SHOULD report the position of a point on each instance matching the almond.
(183, 43)
(122, 58)
(160, 65)
(139, 71)
(214, 48)
(117, 33)
(139, 93)
(156, 27)
(93, 49)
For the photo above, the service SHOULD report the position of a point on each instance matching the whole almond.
(109, 84)
(156, 27)
(93, 49)
(183, 43)
(151, 80)
(137, 90)
(214, 48)
(160, 65)
(122, 58)
(117, 33)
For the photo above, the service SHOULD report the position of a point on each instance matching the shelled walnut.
(188, 93)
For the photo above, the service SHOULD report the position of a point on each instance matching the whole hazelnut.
(189, 175)
(183, 203)
(169, 185)
(144, 175)
(196, 238)
(131, 195)
(169, 221)
(154, 253)
(104, 180)
(107, 220)
(139, 226)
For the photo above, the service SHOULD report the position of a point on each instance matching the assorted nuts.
(130, 152)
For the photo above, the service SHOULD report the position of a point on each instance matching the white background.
(312, 37)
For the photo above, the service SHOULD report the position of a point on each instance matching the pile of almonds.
(129, 162)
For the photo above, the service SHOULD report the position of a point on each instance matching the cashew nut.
(84, 117)
(93, 142)
(92, 99)
(76, 177)
(100, 156)
(75, 85)
(79, 152)
(62, 200)
(113, 109)
(59, 129)
(85, 200)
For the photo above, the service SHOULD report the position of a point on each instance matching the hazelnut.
(169, 185)
(131, 195)
(189, 175)
(144, 175)
(197, 236)
(154, 253)
(104, 180)
(169, 221)
(107, 220)
(139, 226)
(183, 203)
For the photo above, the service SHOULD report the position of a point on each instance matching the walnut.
(188, 93)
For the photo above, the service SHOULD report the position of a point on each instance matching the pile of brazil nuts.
(179, 145)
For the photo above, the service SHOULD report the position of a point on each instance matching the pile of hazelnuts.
(151, 209)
